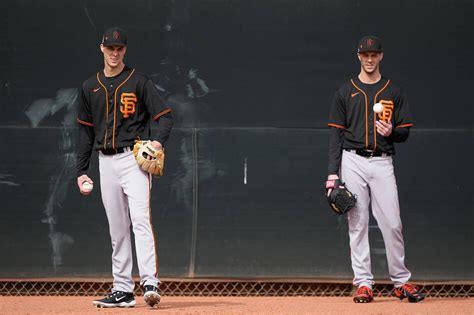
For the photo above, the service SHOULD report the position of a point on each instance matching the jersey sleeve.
(85, 113)
(154, 102)
(86, 136)
(337, 114)
(402, 115)
(335, 150)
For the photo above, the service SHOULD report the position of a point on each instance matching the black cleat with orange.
(363, 295)
(409, 291)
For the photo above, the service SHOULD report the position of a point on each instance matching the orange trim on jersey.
(82, 122)
(115, 107)
(366, 114)
(404, 126)
(106, 109)
(151, 224)
(164, 112)
(336, 126)
(375, 116)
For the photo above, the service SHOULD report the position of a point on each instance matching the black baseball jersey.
(119, 109)
(351, 111)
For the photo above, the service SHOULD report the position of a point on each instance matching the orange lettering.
(129, 102)
(386, 114)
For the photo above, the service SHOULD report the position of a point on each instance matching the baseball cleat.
(151, 295)
(363, 295)
(116, 299)
(409, 291)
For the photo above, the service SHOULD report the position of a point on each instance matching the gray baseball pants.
(373, 181)
(125, 190)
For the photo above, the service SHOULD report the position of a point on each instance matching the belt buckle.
(365, 153)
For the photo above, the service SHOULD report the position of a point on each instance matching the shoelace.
(410, 288)
(363, 290)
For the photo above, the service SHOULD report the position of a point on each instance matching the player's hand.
(80, 180)
(331, 177)
(157, 145)
(384, 128)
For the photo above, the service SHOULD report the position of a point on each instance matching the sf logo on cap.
(129, 102)
(370, 42)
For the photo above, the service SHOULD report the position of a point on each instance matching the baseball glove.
(340, 199)
(149, 158)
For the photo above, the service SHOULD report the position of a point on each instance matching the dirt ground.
(238, 305)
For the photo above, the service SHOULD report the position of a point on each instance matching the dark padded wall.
(250, 84)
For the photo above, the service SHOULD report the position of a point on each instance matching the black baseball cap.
(114, 36)
(370, 43)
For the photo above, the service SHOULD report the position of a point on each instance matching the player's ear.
(358, 56)
(102, 48)
(381, 56)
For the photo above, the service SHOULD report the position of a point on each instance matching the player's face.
(370, 61)
(113, 55)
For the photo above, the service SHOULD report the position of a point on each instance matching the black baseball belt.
(115, 151)
(368, 153)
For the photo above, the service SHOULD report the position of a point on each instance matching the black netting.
(221, 288)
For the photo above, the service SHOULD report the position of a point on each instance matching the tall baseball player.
(368, 115)
(117, 106)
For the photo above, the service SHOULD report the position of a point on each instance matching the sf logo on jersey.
(387, 111)
(129, 102)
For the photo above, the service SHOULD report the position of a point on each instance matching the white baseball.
(87, 186)
(378, 108)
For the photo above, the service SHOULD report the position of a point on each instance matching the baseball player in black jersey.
(368, 115)
(117, 106)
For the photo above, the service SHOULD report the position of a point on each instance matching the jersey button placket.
(371, 128)
(371, 124)
(110, 125)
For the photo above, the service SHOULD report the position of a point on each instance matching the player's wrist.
(81, 177)
(157, 144)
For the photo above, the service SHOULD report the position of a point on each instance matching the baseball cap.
(370, 43)
(114, 36)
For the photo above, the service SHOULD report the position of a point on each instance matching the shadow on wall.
(64, 172)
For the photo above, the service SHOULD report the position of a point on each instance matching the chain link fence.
(196, 287)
